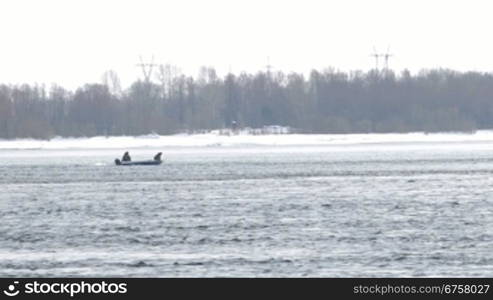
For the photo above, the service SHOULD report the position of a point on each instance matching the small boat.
(150, 162)
(126, 161)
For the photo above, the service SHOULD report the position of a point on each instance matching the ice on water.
(216, 139)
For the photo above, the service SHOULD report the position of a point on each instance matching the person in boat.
(157, 157)
(126, 157)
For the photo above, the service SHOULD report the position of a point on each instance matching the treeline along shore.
(324, 102)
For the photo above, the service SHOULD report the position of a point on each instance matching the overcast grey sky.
(71, 42)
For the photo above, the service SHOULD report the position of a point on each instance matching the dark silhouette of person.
(126, 157)
(158, 156)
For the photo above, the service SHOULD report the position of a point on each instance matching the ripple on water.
(353, 214)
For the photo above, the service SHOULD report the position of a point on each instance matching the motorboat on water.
(150, 162)
(127, 161)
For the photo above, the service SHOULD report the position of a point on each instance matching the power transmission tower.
(386, 56)
(376, 55)
(147, 68)
(268, 66)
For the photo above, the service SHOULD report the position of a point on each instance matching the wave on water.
(215, 139)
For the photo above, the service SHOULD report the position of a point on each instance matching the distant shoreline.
(216, 139)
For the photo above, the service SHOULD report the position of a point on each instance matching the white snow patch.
(216, 139)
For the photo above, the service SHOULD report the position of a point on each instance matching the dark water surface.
(374, 210)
